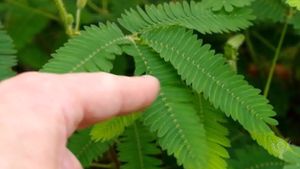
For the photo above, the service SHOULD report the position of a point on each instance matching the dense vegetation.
(212, 57)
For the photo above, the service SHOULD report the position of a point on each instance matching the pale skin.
(39, 111)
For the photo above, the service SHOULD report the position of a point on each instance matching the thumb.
(69, 161)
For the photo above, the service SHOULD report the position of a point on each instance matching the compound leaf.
(190, 15)
(173, 116)
(85, 149)
(93, 50)
(137, 148)
(7, 55)
(112, 128)
(216, 133)
(208, 73)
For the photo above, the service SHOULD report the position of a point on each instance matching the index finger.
(82, 98)
(105, 95)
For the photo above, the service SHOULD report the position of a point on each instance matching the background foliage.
(266, 29)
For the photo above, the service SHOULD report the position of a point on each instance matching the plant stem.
(264, 41)
(253, 55)
(64, 15)
(104, 4)
(77, 22)
(102, 165)
(276, 56)
(93, 6)
(251, 48)
(61, 9)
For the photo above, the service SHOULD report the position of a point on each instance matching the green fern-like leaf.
(278, 147)
(228, 5)
(7, 55)
(140, 67)
(173, 116)
(216, 133)
(273, 144)
(112, 128)
(293, 158)
(92, 51)
(254, 157)
(208, 73)
(137, 148)
(85, 149)
(192, 16)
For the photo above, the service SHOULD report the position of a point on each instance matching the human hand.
(39, 111)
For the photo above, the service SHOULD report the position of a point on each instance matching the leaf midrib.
(213, 79)
(139, 146)
(164, 100)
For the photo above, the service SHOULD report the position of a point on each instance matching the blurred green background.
(37, 31)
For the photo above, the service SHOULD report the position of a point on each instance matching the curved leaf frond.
(85, 149)
(173, 116)
(216, 133)
(7, 55)
(137, 148)
(192, 16)
(208, 73)
(93, 50)
(293, 158)
(278, 147)
(112, 128)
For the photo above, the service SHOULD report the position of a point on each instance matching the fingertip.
(153, 87)
(153, 80)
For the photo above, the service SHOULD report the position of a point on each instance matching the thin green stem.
(34, 10)
(105, 4)
(61, 9)
(93, 6)
(255, 59)
(97, 165)
(97, 9)
(263, 40)
(274, 61)
(65, 16)
(251, 48)
(77, 22)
